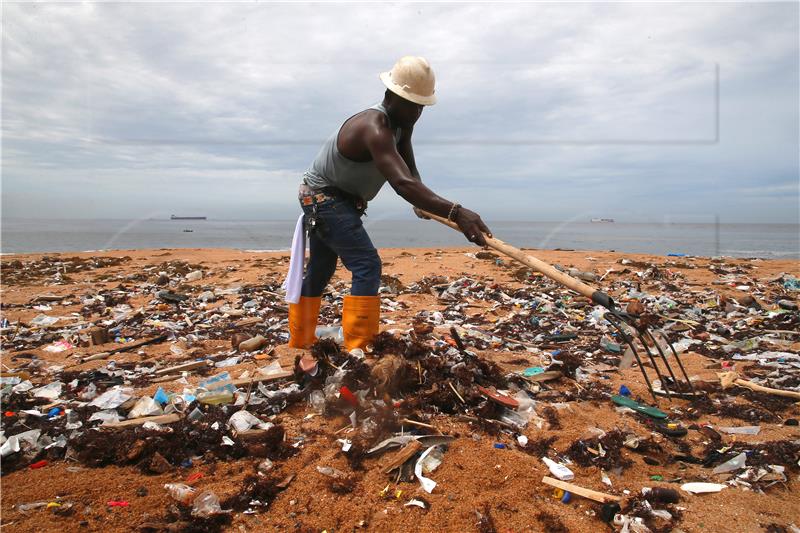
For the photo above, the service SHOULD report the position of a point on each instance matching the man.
(369, 149)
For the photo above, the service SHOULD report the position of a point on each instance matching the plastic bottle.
(661, 495)
(215, 397)
(560, 471)
(180, 492)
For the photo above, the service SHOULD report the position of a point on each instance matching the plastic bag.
(146, 406)
(51, 391)
(243, 420)
(113, 397)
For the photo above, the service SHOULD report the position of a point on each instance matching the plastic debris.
(702, 488)
(427, 484)
(735, 463)
(558, 470)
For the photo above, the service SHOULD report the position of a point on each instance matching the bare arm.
(406, 151)
(393, 166)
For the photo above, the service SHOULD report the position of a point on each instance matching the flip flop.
(670, 429)
(624, 401)
(499, 398)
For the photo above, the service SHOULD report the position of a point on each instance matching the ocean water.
(737, 240)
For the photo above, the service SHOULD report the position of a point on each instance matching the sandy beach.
(488, 479)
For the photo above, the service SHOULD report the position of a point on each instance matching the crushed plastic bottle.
(206, 504)
(736, 463)
(330, 332)
(180, 492)
(317, 401)
(433, 459)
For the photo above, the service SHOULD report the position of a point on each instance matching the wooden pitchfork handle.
(538, 265)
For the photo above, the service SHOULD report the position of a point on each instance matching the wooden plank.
(249, 321)
(251, 434)
(95, 357)
(160, 419)
(401, 456)
(601, 497)
(162, 379)
(186, 366)
(262, 379)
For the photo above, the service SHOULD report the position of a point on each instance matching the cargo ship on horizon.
(174, 217)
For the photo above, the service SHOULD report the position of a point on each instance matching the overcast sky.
(558, 111)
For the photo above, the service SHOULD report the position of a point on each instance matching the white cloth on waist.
(294, 280)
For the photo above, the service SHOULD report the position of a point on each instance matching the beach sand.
(474, 477)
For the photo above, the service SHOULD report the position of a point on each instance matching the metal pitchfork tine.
(621, 320)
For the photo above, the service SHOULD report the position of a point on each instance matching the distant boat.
(188, 230)
(173, 217)
(602, 220)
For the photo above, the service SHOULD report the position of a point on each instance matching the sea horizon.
(763, 240)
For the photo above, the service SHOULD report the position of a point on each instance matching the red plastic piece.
(194, 477)
(348, 396)
(118, 504)
(38, 464)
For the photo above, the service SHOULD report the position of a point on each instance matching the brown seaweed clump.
(604, 452)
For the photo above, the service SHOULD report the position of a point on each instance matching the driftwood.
(601, 497)
(159, 419)
(401, 456)
(728, 379)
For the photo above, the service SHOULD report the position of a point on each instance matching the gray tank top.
(331, 169)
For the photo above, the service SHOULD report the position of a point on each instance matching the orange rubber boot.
(360, 318)
(303, 321)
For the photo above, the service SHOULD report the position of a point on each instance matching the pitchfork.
(632, 326)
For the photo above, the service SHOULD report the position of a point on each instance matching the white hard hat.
(412, 78)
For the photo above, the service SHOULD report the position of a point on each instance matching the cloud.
(547, 111)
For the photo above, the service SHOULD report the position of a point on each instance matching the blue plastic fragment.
(160, 396)
(532, 371)
(624, 391)
(566, 497)
(499, 445)
(187, 463)
(55, 411)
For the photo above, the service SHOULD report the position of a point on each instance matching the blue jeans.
(339, 233)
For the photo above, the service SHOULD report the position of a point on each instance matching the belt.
(332, 193)
(314, 198)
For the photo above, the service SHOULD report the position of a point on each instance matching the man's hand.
(421, 214)
(470, 223)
